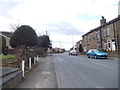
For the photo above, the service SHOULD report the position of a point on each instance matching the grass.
(7, 57)
(7, 60)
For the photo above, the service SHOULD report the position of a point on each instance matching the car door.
(92, 53)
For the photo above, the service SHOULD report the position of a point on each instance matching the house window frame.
(98, 35)
(104, 33)
(105, 45)
(108, 31)
(99, 45)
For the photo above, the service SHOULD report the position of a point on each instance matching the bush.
(102, 50)
(40, 52)
(31, 55)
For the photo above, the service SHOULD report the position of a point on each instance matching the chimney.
(102, 21)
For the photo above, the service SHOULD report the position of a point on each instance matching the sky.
(64, 20)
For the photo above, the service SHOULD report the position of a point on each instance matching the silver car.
(73, 52)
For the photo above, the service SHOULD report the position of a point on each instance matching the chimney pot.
(103, 20)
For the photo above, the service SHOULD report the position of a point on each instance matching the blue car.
(94, 53)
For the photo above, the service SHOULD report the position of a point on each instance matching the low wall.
(11, 77)
(13, 81)
(113, 54)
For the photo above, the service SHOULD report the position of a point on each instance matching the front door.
(113, 46)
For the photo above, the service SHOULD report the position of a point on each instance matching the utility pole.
(46, 33)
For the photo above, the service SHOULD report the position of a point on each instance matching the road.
(81, 72)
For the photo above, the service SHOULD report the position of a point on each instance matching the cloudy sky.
(64, 20)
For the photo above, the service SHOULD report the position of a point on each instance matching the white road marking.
(100, 87)
(36, 85)
(102, 64)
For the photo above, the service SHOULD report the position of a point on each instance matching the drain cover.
(46, 72)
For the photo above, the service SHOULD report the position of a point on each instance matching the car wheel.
(106, 57)
(95, 57)
(88, 56)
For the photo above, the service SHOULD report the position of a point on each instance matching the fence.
(13, 78)
(30, 64)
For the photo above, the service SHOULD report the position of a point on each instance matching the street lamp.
(72, 40)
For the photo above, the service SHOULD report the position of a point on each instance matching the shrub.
(102, 50)
(40, 52)
(31, 55)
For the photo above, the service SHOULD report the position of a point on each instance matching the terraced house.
(103, 37)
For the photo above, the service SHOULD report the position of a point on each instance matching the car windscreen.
(96, 51)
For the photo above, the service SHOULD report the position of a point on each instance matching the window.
(93, 38)
(99, 46)
(108, 31)
(104, 33)
(105, 45)
(97, 35)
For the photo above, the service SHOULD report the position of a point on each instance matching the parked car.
(94, 53)
(73, 52)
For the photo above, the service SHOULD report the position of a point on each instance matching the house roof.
(7, 34)
(108, 23)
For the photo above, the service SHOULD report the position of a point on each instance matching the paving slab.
(42, 76)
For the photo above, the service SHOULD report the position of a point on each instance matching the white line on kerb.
(36, 85)
(99, 87)
(102, 64)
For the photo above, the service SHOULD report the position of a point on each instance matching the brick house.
(118, 34)
(79, 46)
(103, 37)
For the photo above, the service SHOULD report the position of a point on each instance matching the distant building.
(103, 37)
(79, 46)
(7, 36)
(118, 27)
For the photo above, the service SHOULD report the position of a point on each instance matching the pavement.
(42, 76)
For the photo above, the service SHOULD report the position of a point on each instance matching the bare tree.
(14, 27)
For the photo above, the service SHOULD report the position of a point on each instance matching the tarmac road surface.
(81, 72)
